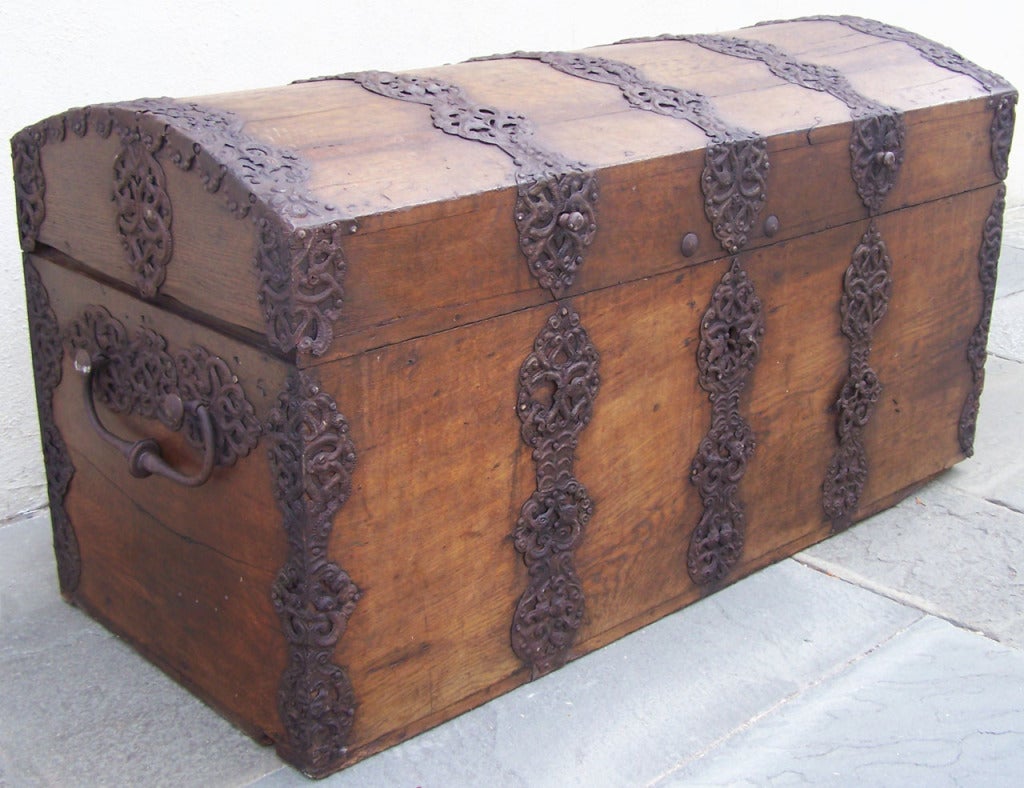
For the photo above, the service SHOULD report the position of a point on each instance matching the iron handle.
(144, 456)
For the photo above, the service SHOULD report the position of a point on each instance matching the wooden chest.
(368, 398)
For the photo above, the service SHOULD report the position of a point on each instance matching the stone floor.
(892, 654)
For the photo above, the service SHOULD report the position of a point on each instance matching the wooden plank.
(440, 575)
(234, 513)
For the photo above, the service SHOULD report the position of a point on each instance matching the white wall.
(59, 54)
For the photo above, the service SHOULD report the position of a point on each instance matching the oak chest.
(368, 398)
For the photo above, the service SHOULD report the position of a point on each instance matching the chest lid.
(344, 213)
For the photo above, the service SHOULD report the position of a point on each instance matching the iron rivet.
(573, 221)
(688, 246)
(771, 226)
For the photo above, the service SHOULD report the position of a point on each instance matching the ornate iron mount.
(876, 142)
(1004, 97)
(730, 342)
(988, 259)
(301, 268)
(937, 53)
(557, 386)
(734, 181)
(143, 210)
(876, 155)
(556, 206)
(312, 459)
(734, 184)
(137, 375)
(1003, 117)
(47, 364)
(145, 457)
(867, 287)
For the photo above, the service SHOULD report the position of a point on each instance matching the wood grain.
(427, 205)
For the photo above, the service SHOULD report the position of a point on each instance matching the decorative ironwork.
(730, 343)
(555, 216)
(143, 214)
(254, 179)
(867, 287)
(312, 459)
(29, 184)
(139, 373)
(876, 155)
(988, 259)
(937, 53)
(558, 382)
(301, 284)
(1003, 116)
(736, 160)
(734, 186)
(876, 142)
(1003, 100)
(47, 365)
(556, 205)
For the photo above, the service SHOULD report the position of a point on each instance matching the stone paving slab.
(1006, 337)
(79, 707)
(934, 706)
(947, 553)
(1013, 225)
(996, 471)
(1010, 279)
(627, 713)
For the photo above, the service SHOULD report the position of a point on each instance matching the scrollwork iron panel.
(867, 288)
(300, 279)
(557, 386)
(988, 260)
(556, 205)
(144, 214)
(47, 365)
(140, 372)
(312, 459)
(734, 181)
(731, 331)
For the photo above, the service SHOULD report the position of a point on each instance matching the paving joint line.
(27, 514)
(906, 599)
(830, 674)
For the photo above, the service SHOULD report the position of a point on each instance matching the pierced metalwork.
(29, 180)
(143, 214)
(730, 342)
(555, 216)
(988, 259)
(557, 386)
(254, 179)
(312, 459)
(876, 155)
(1003, 100)
(867, 288)
(140, 373)
(47, 365)
(556, 205)
(29, 188)
(734, 181)
(1001, 132)
(876, 141)
(937, 53)
(301, 283)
